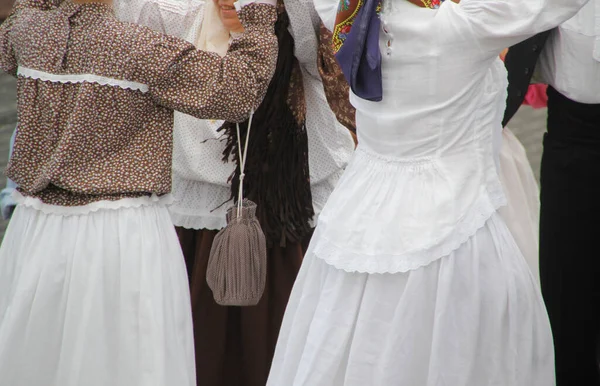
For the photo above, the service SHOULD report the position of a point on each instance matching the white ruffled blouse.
(424, 177)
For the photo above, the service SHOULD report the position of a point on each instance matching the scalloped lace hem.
(213, 223)
(346, 260)
(123, 203)
(81, 78)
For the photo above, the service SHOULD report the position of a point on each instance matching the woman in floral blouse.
(93, 286)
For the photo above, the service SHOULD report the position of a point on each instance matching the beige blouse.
(96, 97)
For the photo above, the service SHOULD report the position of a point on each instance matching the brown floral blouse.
(96, 97)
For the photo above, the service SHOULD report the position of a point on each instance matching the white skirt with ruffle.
(94, 296)
(474, 317)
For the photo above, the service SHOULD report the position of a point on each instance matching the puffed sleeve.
(208, 86)
(497, 24)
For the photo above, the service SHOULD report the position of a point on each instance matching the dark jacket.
(520, 63)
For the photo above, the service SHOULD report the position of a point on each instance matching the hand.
(229, 15)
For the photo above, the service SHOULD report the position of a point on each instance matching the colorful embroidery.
(347, 11)
(433, 4)
(344, 6)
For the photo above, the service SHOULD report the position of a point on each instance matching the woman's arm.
(207, 86)
(496, 24)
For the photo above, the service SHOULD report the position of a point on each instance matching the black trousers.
(570, 237)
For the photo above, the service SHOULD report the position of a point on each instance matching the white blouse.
(570, 61)
(424, 178)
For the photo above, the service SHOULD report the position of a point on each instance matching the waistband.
(568, 119)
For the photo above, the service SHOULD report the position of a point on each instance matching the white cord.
(243, 158)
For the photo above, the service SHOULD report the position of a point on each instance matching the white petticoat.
(522, 212)
(94, 296)
(472, 318)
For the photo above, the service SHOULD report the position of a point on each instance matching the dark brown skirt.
(235, 345)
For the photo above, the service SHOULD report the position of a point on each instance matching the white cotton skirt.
(522, 212)
(472, 318)
(94, 296)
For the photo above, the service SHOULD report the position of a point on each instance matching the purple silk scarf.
(356, 46)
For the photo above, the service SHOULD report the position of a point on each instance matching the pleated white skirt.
(94, 297)
(472, 318)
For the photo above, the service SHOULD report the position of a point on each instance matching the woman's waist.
(399, 229)
(466, 159)
(80, 192)
(415, 203)
(54, 200)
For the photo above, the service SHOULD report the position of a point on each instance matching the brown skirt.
(235, 345)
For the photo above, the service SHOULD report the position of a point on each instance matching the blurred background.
(5, 6)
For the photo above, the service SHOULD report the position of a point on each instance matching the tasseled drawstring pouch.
(237, 266)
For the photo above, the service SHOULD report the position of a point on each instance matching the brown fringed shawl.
(336, 87)
(277, 175)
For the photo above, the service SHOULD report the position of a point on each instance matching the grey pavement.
(8, 120)
(528, 125)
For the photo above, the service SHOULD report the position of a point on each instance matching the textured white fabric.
(199, 205)
(197, 166)
(567, 62)
(522, 212)
(174, 17)
(330, 145)
(98, 299)
(198, 151)
(425, 178)
(473, 318)
(80, 78)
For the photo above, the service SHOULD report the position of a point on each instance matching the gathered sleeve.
(494, 25)
(206, 85)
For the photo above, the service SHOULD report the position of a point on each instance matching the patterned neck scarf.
(356, 44)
